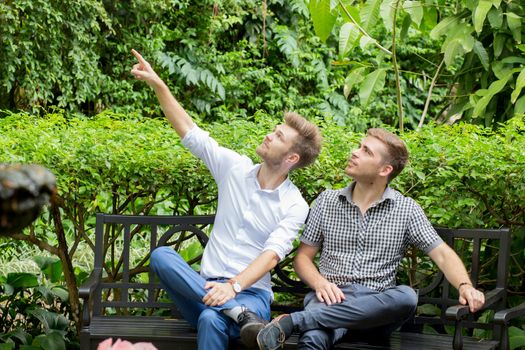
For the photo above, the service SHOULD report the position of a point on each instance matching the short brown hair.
(308, 143)
(397, 153)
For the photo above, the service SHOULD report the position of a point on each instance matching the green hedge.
(462, 175)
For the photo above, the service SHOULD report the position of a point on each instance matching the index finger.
(138, 56)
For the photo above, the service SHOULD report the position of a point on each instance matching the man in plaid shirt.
(362, 233)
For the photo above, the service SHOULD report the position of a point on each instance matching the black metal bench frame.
(169, 331)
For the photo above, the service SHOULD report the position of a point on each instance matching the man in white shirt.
(259, 214)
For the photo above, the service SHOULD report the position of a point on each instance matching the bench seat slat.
(163, 331)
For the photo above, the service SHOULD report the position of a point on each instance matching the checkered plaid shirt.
(366, 249)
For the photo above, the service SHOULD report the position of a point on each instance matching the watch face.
(237, 287)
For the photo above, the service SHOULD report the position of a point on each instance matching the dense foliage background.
(397, 62)
(68, 102)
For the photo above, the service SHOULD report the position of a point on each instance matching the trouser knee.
(408, 300)
(210, 320)
(158, 258)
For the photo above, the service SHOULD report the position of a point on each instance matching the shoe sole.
(249, 334)
(261, 347)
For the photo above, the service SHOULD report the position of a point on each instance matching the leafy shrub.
(34, 309)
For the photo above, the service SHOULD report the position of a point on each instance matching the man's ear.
(292, 159)
(386, 170)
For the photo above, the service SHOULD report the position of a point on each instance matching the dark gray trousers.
(364, 312)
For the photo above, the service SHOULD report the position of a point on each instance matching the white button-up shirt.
(249, 220)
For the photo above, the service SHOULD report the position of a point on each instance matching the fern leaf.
(321, 73)
(287, 44)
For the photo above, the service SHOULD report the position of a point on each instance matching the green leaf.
(372, 83)
(405, 26)
(322, 18)
(21, 280)
(514, 22)
(348, 36)
(513, 60)
(387, 12)
(452, 49)
(7, 346)
(430, 15)
(493, 89)
(520, 83)
(364, 41)
(516, 337)
(482, 54)
(21, 335)
(50, 341)
(480, 13)
(60, 293)
(444, 27)
(429, 310)
(370, 14)
(519, 108)
(51, 321)
(495, 17)
(353, 78)
(415, 10)
(499, 44)
(51, 267)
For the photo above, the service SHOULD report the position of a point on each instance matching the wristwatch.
(235, 285)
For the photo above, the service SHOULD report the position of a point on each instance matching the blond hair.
(308, 143)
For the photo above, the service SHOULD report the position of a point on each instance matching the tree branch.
(429, 95)
(399, 99)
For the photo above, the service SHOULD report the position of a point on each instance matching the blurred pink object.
(124, 345)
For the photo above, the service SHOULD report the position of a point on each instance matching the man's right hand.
(328, 292)
(143, 70)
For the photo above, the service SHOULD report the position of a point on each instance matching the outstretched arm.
(449, 262)
(327, 292)
(177, 116)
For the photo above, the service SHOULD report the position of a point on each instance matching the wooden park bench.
(123, 299)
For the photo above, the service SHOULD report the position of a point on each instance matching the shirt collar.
(279, 191)
(346, 192)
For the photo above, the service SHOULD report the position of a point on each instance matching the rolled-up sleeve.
(281, 239)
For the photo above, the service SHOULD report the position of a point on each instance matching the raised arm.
(177, 116)
(449, 262)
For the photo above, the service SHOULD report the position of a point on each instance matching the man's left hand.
(471, 296)
(218, 293)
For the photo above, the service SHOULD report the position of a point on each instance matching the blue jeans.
(364, 311)
(186, 288)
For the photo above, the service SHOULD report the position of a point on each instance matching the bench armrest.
(504, 316)
(86, 291)
(459, 312)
